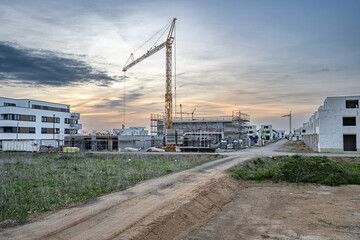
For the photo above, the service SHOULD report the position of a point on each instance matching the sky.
(261, 57)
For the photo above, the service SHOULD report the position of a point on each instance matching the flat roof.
(27, 99)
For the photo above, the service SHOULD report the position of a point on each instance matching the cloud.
(118, 102)
(33, 67)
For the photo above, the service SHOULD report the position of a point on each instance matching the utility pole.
(180, 111)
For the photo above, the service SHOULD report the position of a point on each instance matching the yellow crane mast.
(168, 93)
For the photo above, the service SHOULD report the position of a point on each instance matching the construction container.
(71, 149)
(21, 146)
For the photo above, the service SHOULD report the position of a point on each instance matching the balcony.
(75, 116)
(76, 126)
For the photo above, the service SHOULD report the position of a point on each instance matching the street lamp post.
(54, 126)
(17, 131)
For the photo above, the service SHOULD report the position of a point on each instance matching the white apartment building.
(252, 131)
(26, 119)
(335, 127)
(131, 131)
(278, 134)
(266, 132)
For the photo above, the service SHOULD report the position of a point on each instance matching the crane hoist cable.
(163, 30)
(124, 101)
(175, 69)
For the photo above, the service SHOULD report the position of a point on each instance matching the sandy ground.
(286, 211)
(172, 206)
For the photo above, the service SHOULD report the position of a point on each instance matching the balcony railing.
(76, 126)
(75, 115)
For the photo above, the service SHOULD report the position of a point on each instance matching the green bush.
(300, 169)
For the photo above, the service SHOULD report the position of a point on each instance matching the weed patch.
(297, 146)
(297, 168)
(35, 183)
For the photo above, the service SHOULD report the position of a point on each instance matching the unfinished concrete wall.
(312, 141)
(140, 141)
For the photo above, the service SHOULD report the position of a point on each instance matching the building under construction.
(110, 142)
(205, 133)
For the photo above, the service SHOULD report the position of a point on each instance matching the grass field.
(300, 169)
(35, 183)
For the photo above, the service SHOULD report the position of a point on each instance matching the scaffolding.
(157, 124)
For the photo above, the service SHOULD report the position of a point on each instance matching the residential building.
(252, 131)
(266, 132)
(278, 134)
(26, 119)
(335, 126)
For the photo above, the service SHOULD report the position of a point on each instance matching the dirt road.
(163, 208)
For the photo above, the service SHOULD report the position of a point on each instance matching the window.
(6, 104)
(349, 121)
(352, 103)
(50, 130)
(349, 142)
(32, 118)
(266, 127)
(9, 129)
(11, 117)
(45, 107)
(70, 131)
(31, 130)
(50, 119)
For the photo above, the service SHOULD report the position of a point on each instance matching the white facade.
(335, 127)
(26, 119)
(278, 134)
(266, 132)
(131, 131)
(252, 131)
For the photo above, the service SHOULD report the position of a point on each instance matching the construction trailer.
(205, 133)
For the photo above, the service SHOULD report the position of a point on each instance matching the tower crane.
(168, 94)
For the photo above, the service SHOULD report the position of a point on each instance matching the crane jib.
(146, 55)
